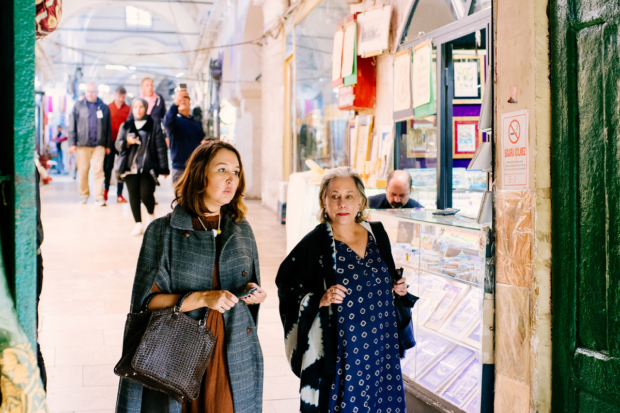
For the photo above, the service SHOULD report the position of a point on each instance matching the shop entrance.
(586, 205)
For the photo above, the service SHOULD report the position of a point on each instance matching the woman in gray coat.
(206, 245)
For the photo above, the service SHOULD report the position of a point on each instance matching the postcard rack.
(446, 261)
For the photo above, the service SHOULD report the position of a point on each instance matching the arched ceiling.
(94, 35)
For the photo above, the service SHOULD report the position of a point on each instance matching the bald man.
(157, 105)
(90, 134)
(397, 193)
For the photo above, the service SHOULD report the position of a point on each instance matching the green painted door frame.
(17, 147)
(585, 165)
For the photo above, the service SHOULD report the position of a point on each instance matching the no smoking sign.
(515, 150)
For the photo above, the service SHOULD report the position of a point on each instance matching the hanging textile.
(21, 389)
(48, 16)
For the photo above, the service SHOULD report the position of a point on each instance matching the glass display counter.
(447, 263)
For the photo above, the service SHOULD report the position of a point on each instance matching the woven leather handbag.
(166, 350)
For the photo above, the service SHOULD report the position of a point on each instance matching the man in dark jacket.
(397, 193)
(185, 132)
(90, 133)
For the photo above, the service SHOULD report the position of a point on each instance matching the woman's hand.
(256, 297)
(216, 300)
(334, 295)
(400, 287)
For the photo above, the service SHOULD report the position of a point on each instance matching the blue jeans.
(59, 159)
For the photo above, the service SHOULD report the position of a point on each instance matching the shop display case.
(447, 263)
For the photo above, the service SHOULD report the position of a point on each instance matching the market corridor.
(89, 263)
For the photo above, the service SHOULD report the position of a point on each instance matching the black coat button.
(244, 273)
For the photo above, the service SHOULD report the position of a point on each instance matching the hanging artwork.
(373, 30)
(402, 81)
(422, 74)
(348, 51)
(465, 79)
(467, 137)
(337, 55)
(468, 79)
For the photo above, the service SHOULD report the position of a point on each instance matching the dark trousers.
(141, 188)
(40, 361)
(108, 170)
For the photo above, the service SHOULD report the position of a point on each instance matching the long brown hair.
(191, 189)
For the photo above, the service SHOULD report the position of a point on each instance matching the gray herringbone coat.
(180, 259)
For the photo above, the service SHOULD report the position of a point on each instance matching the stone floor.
(89, 259)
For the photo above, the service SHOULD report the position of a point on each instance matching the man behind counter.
(397, 193)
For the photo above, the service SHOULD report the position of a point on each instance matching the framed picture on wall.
(467, 137)
(468, 79)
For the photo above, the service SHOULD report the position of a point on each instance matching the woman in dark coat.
(143, 157)
(337, 307)
(206, 245)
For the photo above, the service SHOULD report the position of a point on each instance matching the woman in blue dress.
(337, 308)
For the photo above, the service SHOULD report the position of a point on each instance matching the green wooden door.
(585, 81)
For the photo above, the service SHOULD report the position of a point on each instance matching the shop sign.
(515, 150)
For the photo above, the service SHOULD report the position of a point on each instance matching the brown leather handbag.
(166, 350)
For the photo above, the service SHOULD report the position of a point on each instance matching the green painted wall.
(17, 147)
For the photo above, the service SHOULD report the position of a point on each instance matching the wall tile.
(512, 332)
(511, 396)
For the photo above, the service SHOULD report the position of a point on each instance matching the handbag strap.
(179, 303)
(385, 249)
(145, 306)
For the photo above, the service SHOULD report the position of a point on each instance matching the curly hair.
(342, 172)
(190, 190)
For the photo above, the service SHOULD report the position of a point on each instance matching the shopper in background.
(143, 157)
(89, 132)
(59, 139)
(207, 246)
(185, 132)
(397, 193)
(337, 307)
(119, 112)
(157, 105)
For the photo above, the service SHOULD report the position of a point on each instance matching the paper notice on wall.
(348, 51)
(515, 150)
(422, 74)
(337, 54)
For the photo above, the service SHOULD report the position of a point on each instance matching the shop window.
(320, 127)
(418, 156)
(469, 62)
(479, 5)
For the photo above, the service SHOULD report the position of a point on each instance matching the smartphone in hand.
(245, 293)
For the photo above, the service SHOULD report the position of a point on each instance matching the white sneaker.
(84, 199)
(100, 202)
(137, 229)
(148, 219)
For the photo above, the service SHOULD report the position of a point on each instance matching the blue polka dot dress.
(368, 365)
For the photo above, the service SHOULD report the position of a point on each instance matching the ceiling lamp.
(179, 74)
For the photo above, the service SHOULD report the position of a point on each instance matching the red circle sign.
(514, 131)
